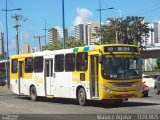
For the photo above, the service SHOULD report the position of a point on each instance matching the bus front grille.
(123, 84)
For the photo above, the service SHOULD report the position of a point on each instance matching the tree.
(57, 45)
(158, 63)
(129, 30)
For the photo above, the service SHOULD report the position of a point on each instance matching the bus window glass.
(38, 64)
(59, 63)
(121, 68)
(47, 68)
(81, 61)
(70, 62)
(29, 65)
(14, 65)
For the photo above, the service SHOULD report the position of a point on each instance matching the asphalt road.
(20, 107)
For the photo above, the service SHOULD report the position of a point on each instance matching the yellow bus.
(97, 72)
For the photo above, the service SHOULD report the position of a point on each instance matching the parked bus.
(98, 72)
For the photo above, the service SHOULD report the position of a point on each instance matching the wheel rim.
(81, 97)
(33, 94)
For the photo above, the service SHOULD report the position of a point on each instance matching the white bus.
(83, 73)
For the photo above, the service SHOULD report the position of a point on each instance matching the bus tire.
(82, 97)
(33, 93)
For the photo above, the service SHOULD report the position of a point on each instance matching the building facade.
(151, 34)
(56, 33)
(79, 32)
(150, 40)
(94, 25)
(157, 32)
(52, 35)
(86, 31)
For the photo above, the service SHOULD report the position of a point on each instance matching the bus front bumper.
(107, 95)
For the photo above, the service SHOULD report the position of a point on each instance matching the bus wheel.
(33, 93)
(82, 97)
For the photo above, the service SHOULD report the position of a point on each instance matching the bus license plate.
(124, 95)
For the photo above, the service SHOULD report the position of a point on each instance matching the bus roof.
(21, 56)
(96, 47)
(71, 50)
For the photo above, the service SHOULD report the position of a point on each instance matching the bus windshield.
(118, 68)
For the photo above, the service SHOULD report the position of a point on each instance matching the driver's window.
(132, 64)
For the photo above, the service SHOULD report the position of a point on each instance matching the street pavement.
(22, 107)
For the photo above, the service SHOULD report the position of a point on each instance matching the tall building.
(2, 44)
(92, 30)
(157, 32)
(52, 35)
(66, 34)
(151, 34)
(59, 32)
(56, 33)
(79, 32)
(86, 31)
(147, 41)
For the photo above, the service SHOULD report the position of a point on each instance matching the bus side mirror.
(100, 59)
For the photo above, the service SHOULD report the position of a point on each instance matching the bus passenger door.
(20, 76)
(94, 76)
(48, 77)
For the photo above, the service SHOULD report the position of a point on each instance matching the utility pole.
(17, 18)
(45, 29)
(63, 22)
(100, 19)
(8, 10)
(22, 19)
(118, 19)
(7, 48)
(39, 40)
(2, 51)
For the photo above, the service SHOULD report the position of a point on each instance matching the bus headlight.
(139, 88)
(106, 88)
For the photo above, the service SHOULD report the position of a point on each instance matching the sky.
(76, 11)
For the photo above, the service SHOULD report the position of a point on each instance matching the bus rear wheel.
(82, 97)
(33, 93)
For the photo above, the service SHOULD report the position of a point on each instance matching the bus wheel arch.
(81, 95)
(33, 93)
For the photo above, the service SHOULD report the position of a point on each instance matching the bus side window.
(59, 63)
(29, 65)
(70, 62)
(82, 61)
(14, 65)
(38, 64)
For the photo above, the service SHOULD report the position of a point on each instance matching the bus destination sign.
(120, 49)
